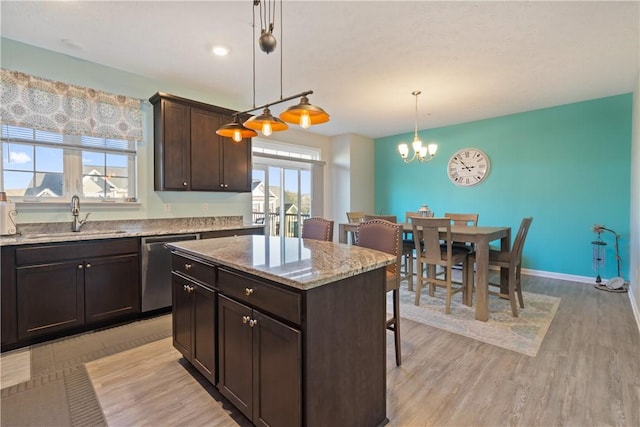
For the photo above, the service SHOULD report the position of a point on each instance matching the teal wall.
(567, 166)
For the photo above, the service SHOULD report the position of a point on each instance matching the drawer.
(196, 269)
(268, 298)
(56, 252)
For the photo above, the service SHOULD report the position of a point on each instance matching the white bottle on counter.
(7, 211)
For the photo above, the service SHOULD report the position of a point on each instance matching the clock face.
(468, 166)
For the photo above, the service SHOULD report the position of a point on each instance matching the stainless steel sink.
(73, 234)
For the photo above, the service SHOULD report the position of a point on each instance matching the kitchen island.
(291, 331)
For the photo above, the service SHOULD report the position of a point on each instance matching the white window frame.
(72, 169)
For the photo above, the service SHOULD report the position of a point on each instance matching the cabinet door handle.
(245, 319)
(188, 266)
(88, 265)
(191, 289)
(253, 323)
(184, 184)
(80, 266)
(226, 185)
(185, 288)
(248, 291)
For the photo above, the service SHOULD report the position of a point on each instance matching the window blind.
(58, 107)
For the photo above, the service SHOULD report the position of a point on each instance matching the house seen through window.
(41, 165)
(283, 193)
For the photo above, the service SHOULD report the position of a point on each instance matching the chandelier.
(303, 113)
(421, 153)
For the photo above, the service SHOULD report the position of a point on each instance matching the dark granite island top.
(300, 263)
(291, 331)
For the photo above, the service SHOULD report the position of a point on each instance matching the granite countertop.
(92, 230)
(300, 263)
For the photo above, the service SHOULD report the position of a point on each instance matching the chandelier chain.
(415, 133)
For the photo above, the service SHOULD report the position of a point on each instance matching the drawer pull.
(253, 323)
(188, 266)
(248, 291)
(80, 266)
(185, 288)
(245, 319)
(88, 265)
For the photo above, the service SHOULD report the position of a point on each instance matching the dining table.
(480, 236)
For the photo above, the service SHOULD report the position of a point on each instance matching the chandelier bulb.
(237, 135)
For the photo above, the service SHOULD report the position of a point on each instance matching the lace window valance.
(37, 103)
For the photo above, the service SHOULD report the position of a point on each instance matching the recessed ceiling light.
(220, 50)
(72, 44)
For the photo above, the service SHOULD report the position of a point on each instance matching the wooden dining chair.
(386, 237)
(408, 248)
(512, 260)
(355, 216)
(465, 220)
(390, 218)
(317, 228)
(433, 252)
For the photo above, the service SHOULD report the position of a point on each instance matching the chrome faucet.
(77, 223)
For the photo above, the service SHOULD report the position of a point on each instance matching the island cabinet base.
(344, 369)
(286, 356)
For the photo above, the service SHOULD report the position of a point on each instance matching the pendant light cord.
(253, 9)
(281, 46)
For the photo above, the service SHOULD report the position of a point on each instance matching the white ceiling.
(362, 59)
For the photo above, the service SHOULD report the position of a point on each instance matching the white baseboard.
(559, 276)
(634, 307)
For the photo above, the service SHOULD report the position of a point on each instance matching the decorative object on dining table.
(421, 153)
(468, 167)
(615, 284)
(424, 211)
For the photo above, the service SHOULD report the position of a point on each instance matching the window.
(41, 165)
(287, 186)
(60, 139)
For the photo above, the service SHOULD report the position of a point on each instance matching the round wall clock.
(468, 166)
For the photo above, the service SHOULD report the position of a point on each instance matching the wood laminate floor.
(586, 373)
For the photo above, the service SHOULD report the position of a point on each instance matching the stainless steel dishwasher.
(156, 270)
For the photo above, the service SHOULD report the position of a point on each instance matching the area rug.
(522, 334)
(60, 392)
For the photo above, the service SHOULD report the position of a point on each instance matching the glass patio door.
(281, 198)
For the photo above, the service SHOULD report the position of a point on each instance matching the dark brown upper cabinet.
(189, 155)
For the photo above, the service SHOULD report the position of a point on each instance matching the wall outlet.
(205, 207)
(167, 207)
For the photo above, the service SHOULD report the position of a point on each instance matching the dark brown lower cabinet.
(50, 298)
(260, 365)
(110, 287)
(68, 287)
(57, 296)
(194, 323)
